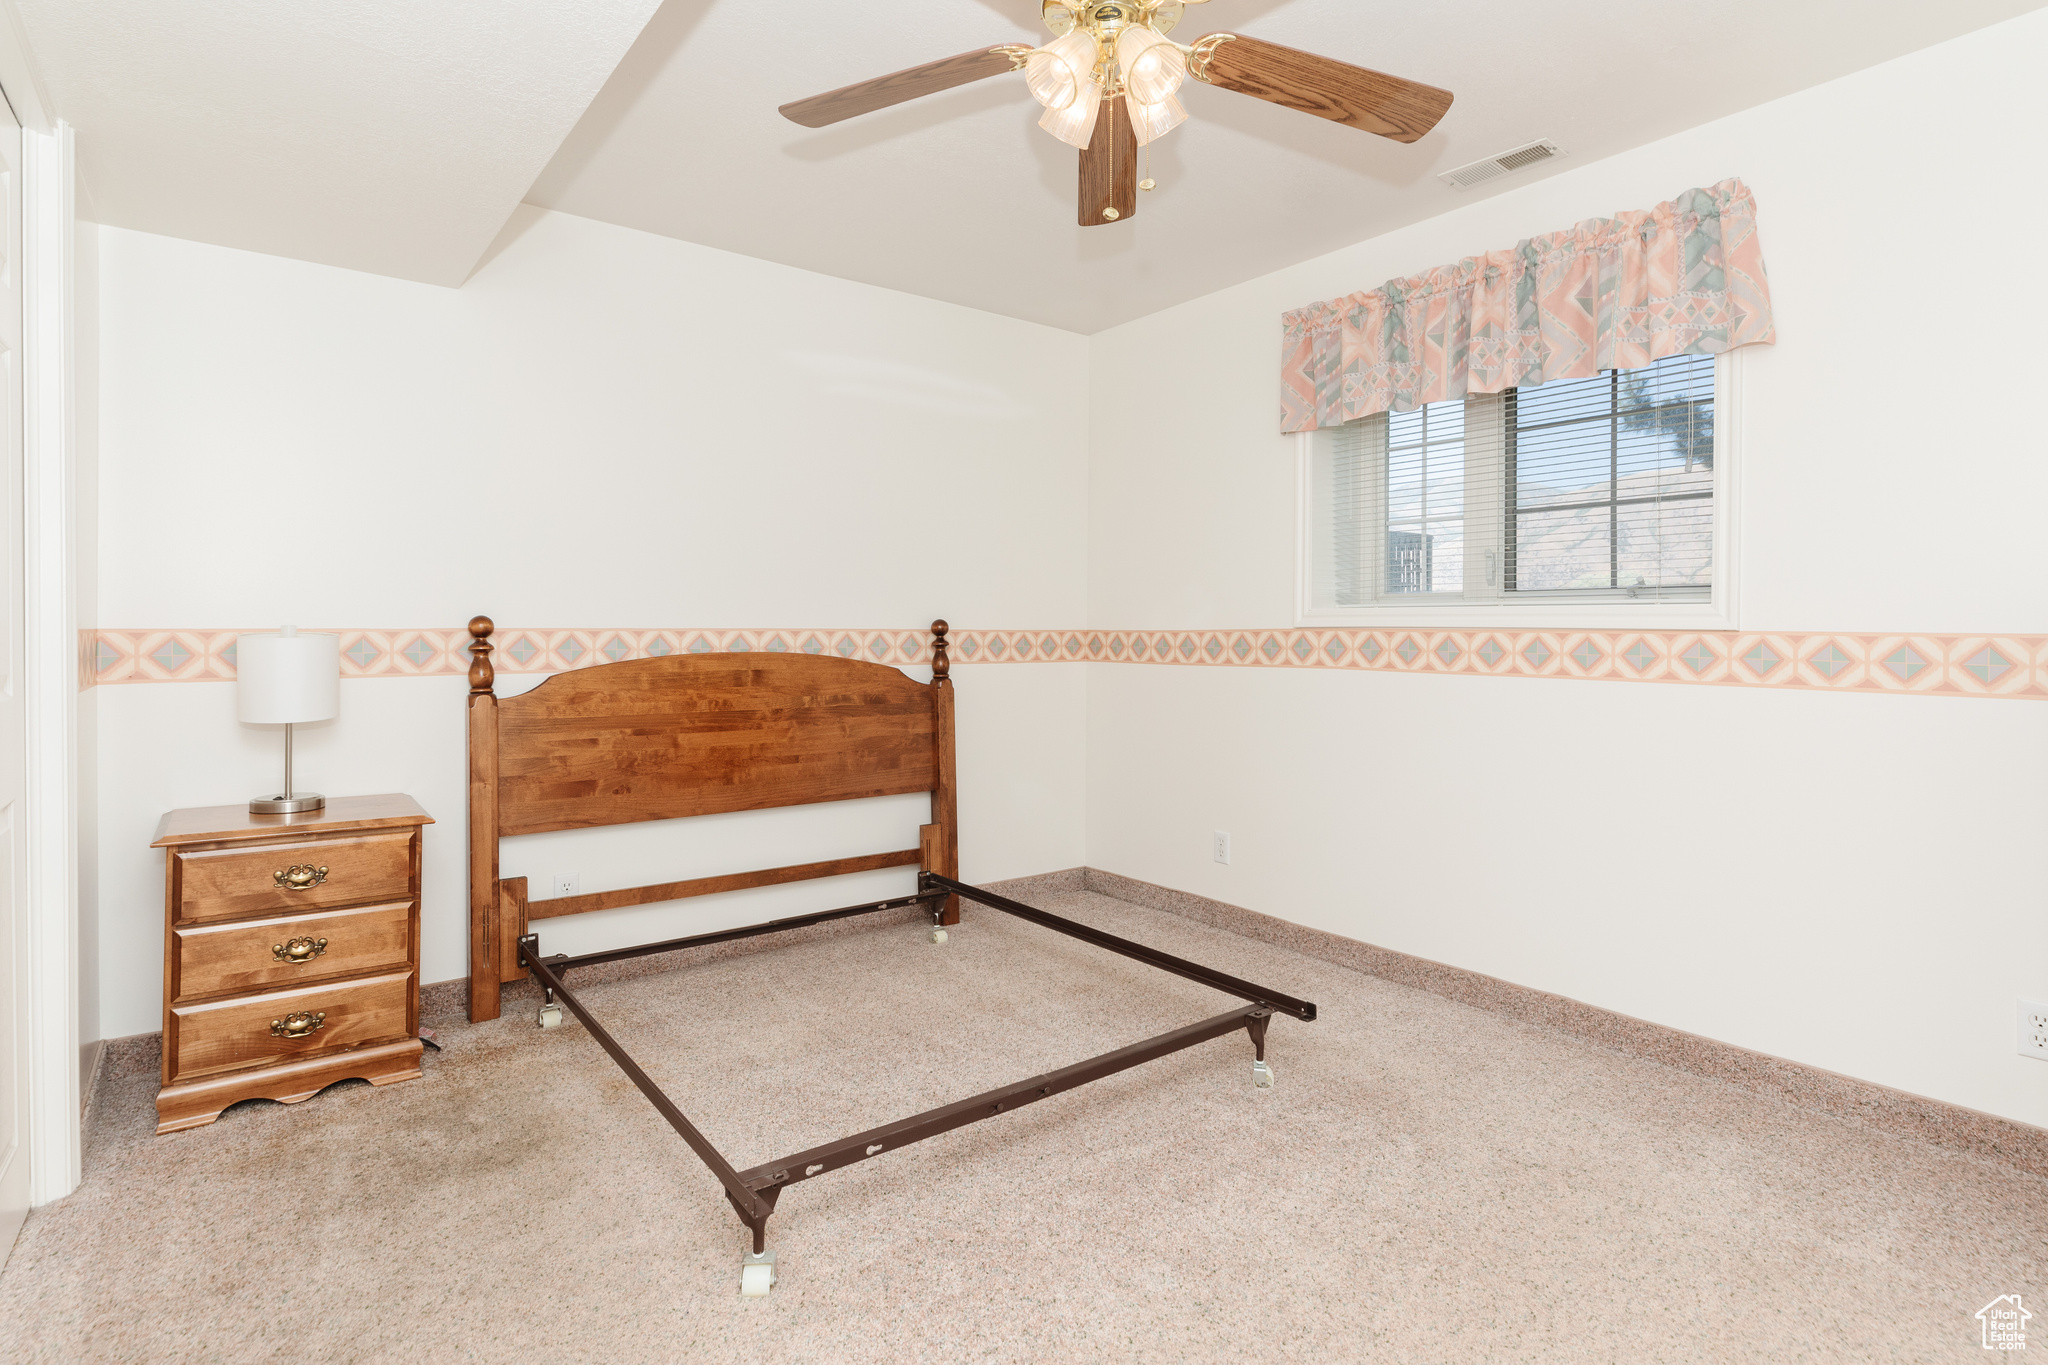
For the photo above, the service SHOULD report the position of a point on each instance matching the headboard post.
(483, 825)
(945, 795)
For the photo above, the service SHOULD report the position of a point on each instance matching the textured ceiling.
(960, 197)
(389, 137)
(398, 137)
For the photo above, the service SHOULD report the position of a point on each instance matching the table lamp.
(287, 679)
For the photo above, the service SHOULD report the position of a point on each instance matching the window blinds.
(1610, 482)
(1596, 487)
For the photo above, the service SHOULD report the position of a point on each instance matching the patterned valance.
(1682, 278)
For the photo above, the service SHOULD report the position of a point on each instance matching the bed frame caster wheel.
(757, 1275)
(938, 934)
(550, 1016)
(1262, 1075)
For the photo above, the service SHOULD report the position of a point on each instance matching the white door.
(14, 1028)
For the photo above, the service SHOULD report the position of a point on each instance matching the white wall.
(601, 427)
(1849, 881)
(607, 428)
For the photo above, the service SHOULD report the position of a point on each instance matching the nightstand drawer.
(224, 1035)
(229, 883)
(257, 955)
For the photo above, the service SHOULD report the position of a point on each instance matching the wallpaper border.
(2013, 666)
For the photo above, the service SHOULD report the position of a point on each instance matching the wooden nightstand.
(291, 952)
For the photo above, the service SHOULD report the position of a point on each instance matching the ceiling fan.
(1107, 81)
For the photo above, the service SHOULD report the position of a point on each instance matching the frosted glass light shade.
(1051, 80)
(1057, 71)
(1150, 121)
(1075, 124)
(284, 677)
(1079, 51)
(1153, 67)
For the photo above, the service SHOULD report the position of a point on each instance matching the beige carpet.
(1427, 1182)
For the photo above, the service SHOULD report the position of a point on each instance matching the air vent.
(1464, 177)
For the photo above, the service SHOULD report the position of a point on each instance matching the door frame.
(53, 669)
(52, 662)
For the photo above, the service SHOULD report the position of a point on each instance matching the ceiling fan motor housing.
(1108, 18)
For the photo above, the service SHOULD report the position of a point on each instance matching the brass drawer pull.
(298, 949)
(299, 876)
(299, 1025)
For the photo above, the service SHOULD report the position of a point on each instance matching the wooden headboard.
(692, 734)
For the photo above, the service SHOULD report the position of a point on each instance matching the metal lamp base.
(287, 805)
(287, 802)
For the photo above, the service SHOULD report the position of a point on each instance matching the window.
(1587, 495)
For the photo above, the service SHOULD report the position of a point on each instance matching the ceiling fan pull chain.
(1148, 182)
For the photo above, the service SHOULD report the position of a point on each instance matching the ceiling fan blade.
(864, 97)
(1323, 86)
(1109, 168)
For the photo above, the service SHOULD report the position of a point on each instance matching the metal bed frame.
(558, 794)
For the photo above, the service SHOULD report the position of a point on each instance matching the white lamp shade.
(284, 677)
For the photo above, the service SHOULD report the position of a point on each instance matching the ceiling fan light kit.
(1059, 70)
(1109, 81)
(1152, 67)
(1075, 124)
(1067, 86)
(1154, 121)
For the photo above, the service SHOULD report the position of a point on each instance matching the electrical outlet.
(1220, 846)
(565, 884)
(2034, 1030)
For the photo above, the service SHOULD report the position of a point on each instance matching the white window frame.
(1503, 612)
